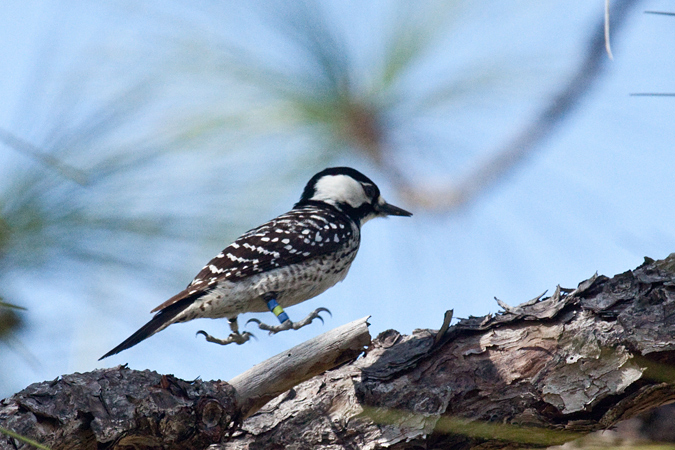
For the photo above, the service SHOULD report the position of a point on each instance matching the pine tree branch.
(538, 374)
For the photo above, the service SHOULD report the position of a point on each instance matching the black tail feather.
(160, 320)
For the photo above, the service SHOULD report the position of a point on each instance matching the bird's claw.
(290, 325)
(236, 338)
(253, 320)
(318, 310)
(316, 314)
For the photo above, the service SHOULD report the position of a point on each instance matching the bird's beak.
(386, 209)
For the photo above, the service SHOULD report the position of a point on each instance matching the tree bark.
(539, 374)
(271, 378)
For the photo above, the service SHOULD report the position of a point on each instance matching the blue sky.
(595, 196)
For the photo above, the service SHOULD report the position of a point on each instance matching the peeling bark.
(538, 374)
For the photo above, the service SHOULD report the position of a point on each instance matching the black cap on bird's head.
(351, 192)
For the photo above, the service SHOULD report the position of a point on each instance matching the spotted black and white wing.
(298, 235)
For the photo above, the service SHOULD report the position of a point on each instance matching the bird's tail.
(160, 321)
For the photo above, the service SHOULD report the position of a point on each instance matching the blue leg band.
(277, 310)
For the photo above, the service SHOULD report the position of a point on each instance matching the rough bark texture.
(539, 374)
(120, 408)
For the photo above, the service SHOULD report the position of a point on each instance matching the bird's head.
(351, 192)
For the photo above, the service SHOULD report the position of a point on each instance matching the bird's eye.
(370, 190)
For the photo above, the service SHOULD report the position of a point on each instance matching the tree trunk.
(539, 374)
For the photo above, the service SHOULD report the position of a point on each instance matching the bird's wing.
(298, 235)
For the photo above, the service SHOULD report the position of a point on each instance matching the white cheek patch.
(335, 189)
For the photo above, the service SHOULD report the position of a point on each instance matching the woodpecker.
(281, 263)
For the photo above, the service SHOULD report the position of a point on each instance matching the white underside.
(294, 284)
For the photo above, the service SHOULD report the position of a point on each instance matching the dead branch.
(121, 407)
(538, 374)
(271, 378)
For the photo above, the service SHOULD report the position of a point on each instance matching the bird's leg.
(284, 322)
(234, 337)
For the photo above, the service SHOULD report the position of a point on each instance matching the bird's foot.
(236, 338)
(290, 325)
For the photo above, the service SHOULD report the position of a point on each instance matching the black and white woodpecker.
(281, 263)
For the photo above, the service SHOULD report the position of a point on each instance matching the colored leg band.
(277, 310)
